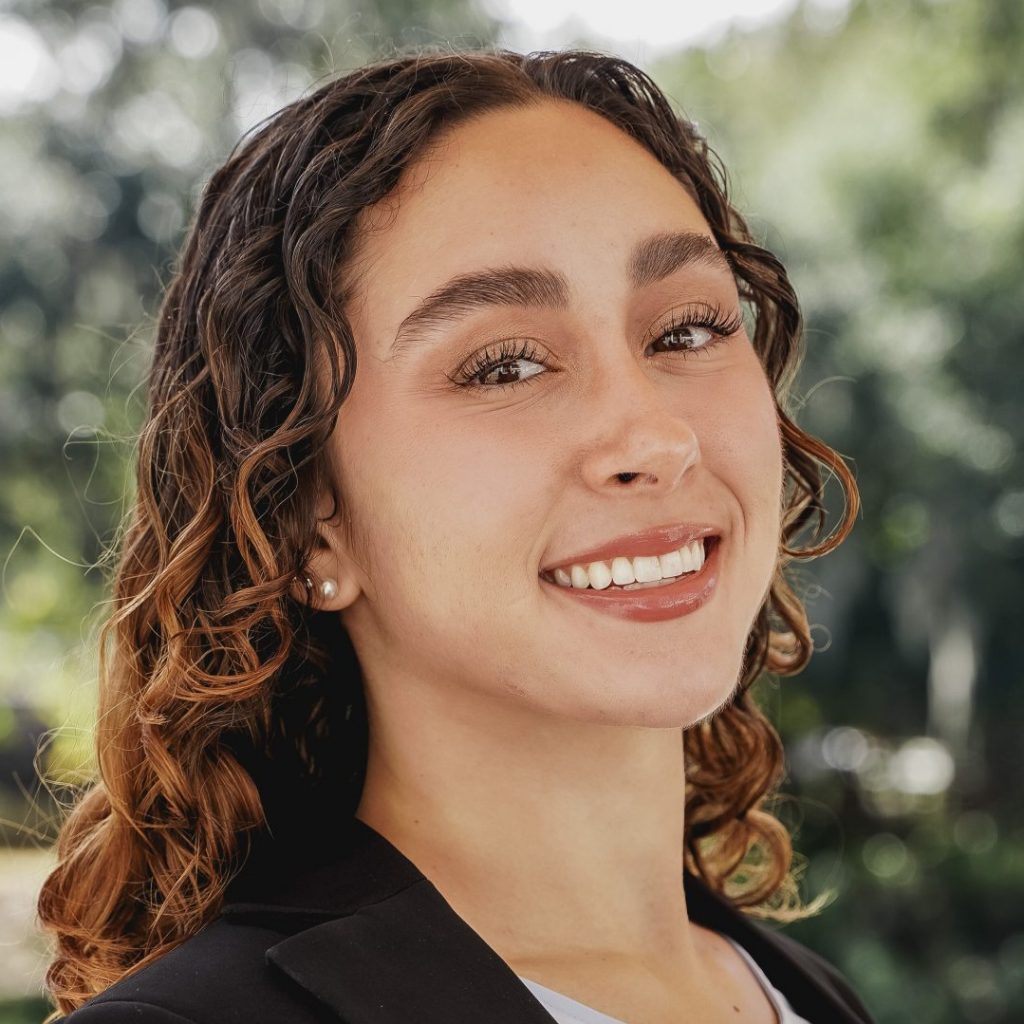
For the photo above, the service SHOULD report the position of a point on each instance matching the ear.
(330, 562)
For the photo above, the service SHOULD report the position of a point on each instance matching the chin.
(679, 700)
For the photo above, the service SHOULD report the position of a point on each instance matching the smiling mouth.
(709, 544)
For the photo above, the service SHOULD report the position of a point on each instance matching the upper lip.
(655, 541)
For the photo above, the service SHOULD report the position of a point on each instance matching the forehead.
(553, 184)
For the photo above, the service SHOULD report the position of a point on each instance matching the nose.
(644, 438)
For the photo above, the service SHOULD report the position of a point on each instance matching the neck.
(551, 838)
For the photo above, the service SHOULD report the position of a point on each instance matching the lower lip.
(655, 604)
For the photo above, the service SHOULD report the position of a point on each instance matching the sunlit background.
(876, 146)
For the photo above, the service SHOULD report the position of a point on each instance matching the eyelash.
(704, 314)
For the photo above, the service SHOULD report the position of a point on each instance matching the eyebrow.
(652, 259)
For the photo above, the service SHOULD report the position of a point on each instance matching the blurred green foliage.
(876, 147)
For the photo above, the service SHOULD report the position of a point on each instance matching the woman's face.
(460, 495)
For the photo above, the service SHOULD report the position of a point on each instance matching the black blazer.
(361, 936)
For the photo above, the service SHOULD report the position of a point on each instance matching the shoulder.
(824, 971)
(219, 975)
(804, 976)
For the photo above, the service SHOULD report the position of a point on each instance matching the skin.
(525, 750)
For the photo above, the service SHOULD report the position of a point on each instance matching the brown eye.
(705, 325)
(696, 339)
(488, 361)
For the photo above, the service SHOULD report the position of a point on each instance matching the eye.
(700, 338)
(490, 362)
(701, 328)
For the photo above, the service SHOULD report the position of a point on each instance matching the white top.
(568, 1011)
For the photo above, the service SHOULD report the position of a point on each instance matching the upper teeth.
(644, 569)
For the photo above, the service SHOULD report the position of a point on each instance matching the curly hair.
(213, 700)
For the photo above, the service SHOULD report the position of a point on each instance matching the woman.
(428, 684)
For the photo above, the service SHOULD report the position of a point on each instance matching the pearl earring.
(328, 588)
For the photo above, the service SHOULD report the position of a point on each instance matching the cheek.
(762, 511)
(741, 445)
(762, 450)
(438, 501)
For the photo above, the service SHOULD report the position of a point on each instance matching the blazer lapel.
(371, 938)
(407, 958)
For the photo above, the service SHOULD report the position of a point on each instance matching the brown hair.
(211, 674)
